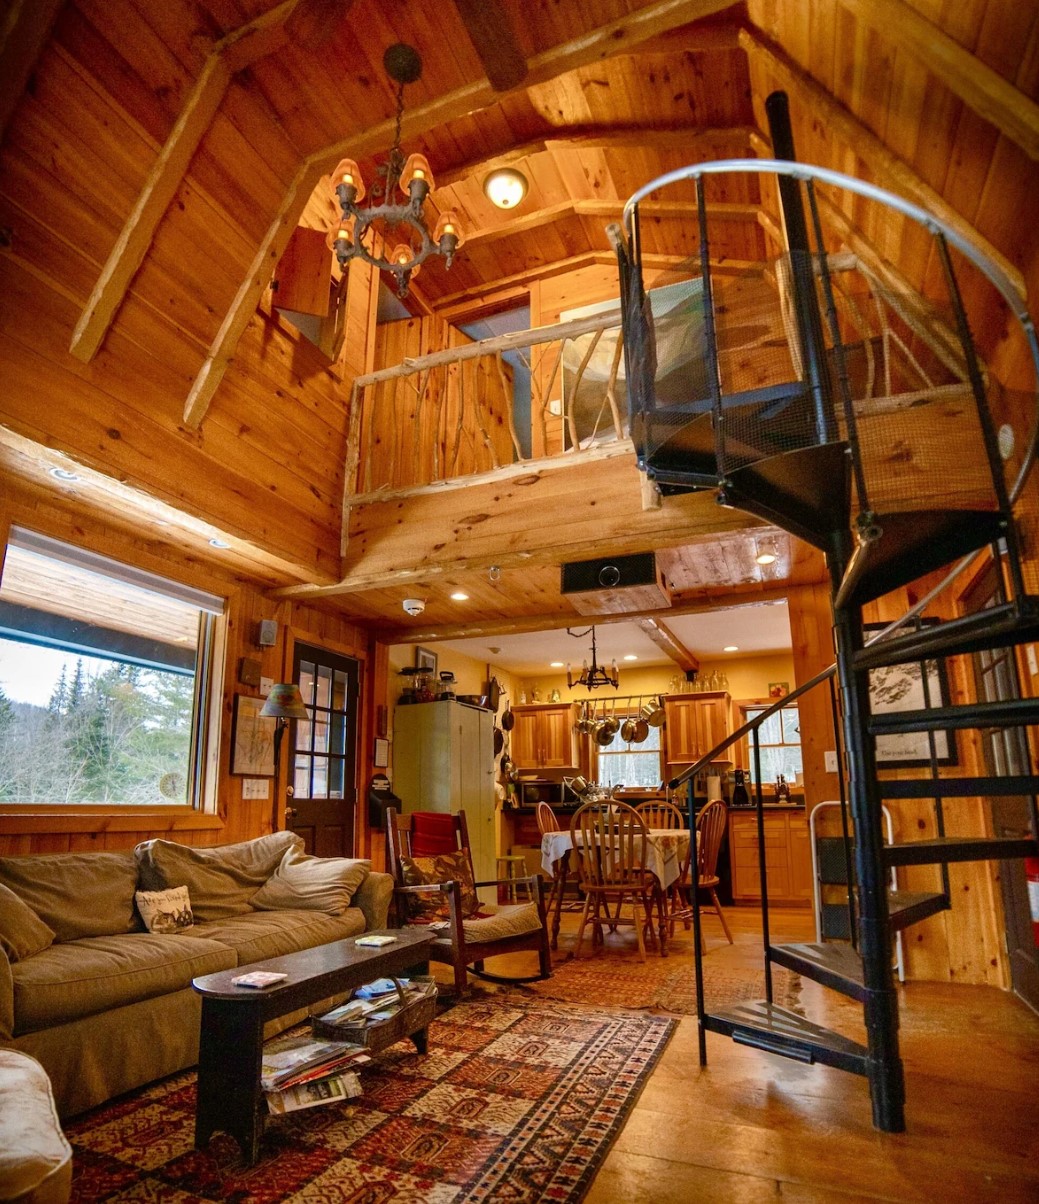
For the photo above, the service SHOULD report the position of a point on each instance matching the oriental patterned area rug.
(517, 1100)
(617, 978)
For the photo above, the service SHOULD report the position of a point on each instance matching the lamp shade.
(284, 702)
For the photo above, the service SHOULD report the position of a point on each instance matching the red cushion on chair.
(432, 833)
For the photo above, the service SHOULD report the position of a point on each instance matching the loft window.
(106, 676)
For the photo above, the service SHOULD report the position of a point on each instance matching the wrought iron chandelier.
(593, 675)
(366, 232)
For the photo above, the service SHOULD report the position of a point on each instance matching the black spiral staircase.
(891, 484)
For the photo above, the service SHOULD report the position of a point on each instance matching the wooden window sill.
(34, 818)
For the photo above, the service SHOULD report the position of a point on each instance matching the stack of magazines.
(373, 1005)
(300, 1072)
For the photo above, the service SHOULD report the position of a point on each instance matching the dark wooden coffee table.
(230, 1097)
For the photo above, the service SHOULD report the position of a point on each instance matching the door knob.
(291, 812)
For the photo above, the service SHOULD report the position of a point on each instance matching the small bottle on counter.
(740, 797)
(782, 790)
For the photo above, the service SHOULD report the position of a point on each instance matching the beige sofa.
(107, 1006)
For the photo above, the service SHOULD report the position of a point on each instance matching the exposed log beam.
(24, 30)
(666, 639)
(610, 210)
(436, 533)
(700, 143)
(240, 48)
(490, 626)
(597, 44)
(984, 90)
(890, 171)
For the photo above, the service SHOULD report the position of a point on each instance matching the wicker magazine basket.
(375, 1035)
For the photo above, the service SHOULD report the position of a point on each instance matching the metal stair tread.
(959, 848)
(906, 907)
(837, 966)
(976, 787)
(778, 1030)
(994, 627)
(1012, 712)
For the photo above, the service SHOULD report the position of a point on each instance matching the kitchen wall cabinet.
(696, 723)
(443, 760)
(788, 858)
(543, 737)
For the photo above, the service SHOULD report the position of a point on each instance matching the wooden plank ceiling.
(156, 158)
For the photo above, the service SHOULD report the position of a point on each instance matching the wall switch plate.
(256, 788)
(1033, 664)
(266, 685)
(831, 761)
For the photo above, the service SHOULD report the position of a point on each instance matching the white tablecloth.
(666, 849)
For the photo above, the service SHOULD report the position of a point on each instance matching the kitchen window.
(623, 764)
(106, 676)
(779, 740)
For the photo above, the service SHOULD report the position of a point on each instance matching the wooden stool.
(507, 870)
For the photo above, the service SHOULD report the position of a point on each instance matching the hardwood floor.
(753, 1126)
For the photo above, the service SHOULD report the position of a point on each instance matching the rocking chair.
(429, 856)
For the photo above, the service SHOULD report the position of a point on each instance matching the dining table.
(667, 850)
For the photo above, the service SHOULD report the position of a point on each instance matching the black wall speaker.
(616, 572)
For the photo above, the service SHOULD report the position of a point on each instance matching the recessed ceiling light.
(731, 648)
(631, 657)
(458, 596)
(505, 187)
(556, 665)
(766, 558)
(63, 474)
(219, 543)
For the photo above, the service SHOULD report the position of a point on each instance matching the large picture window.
(779, 738)
(105, 676)
(635, 765)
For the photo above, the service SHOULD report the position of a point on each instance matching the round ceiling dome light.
(766, 558)
(505, 187)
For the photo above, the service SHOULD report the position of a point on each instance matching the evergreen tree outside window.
(105, 677)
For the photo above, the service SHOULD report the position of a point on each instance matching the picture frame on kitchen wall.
(425, 660)
(901, 688)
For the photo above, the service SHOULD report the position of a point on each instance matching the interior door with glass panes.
(324, 762)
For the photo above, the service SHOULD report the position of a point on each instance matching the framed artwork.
(778, 689)
(901, 688)
(426, 660)
(252, 739)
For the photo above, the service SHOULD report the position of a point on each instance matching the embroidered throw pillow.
(165, 911)
(422, 908)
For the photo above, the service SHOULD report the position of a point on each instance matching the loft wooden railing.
(461, 399)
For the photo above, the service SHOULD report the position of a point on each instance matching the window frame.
(746, 746)
(627, 749)
(203, 762)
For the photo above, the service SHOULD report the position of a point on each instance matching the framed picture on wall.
(901, 688)
(425, 660)
(252, 739)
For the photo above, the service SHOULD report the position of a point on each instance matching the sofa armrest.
(6, 998)
(373, 898)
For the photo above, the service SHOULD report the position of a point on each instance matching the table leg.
(660, 897)
(562, 868)
(229, 1095)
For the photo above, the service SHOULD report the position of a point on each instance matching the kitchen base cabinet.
(443, 760)
(788, 857)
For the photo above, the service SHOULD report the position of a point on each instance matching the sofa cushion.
(262, 934)
(76, 894)
(220, 880)
(79, 978)
(308, 883)
(22, 932)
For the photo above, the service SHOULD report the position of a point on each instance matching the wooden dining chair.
(429, 856)
(710, 828)
(546, 818)
(610, 848)
(661, 814)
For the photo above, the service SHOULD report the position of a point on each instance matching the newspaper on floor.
(309, 1095)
